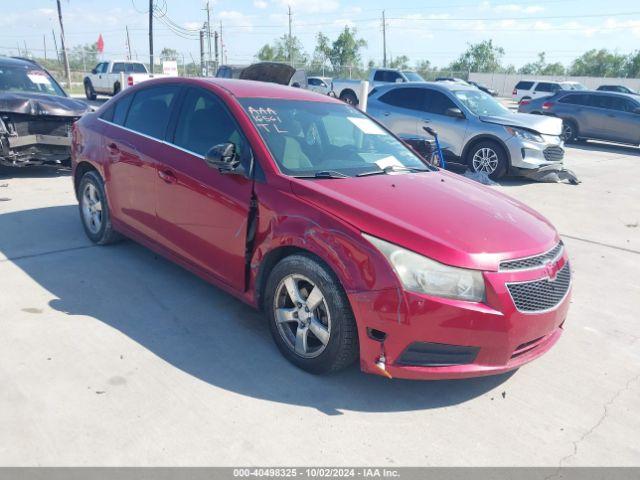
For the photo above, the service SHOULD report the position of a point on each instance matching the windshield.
(413, 76)
(573, 86)
(28, 79)
(480, 103)
(314, 138)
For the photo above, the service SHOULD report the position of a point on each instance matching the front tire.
(490, 158)
(94, 210)
(89, 91)
(309, 315)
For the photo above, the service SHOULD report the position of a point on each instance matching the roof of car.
(254, 89)
(11, 61)
(598, 92)
(442, 86)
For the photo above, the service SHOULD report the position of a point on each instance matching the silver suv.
(473, 128)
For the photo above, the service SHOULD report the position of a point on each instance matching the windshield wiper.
(324, 174)
(391, 169)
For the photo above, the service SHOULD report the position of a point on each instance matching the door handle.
(113, 149)
(386, 114)
(426, 120)
(167, 176)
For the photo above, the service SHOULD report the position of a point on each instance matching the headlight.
(423, 275)
(524, 134)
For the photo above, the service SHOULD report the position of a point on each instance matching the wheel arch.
(349, 91)
(82, 168)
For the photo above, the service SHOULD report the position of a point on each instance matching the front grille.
(31, 125)
(541, 295)
(553, 153)
(532, 262)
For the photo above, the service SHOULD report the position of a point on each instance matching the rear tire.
(89, 91)
(116, 88)
(94, 210)
(489, 157)
(317, 331)
(349, 98)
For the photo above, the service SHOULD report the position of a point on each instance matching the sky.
(435, 30)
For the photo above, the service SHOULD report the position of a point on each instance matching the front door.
(451, 130)
(202, 214)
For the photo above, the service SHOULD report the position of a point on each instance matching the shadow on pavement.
(34, 172)
(196, 327)
(595, 146)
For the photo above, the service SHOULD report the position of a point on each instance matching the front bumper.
(525, 154)
(501, 337)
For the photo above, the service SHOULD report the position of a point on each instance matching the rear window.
(150, 110)
(524, 85)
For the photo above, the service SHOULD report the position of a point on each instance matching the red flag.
(100, 44)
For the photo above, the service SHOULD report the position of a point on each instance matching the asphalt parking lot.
(113, 356)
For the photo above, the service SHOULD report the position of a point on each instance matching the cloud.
(309, 6)
(192, 25)
(260, 4)
(513, 8)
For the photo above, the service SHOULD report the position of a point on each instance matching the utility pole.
(19, 52)
(222, 54)
(65, 59)
(202, 71)
(208, 37)
(290, 39)
(128, 42)
(44, 44)
(55, 44)
(150, 35)
(215, 43)
(384, 41)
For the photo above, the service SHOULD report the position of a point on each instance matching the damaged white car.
(36, 115)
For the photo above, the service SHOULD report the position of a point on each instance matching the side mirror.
(399, 80)
(94, 71)
(636, 110)
(454, 112)
(223, 157)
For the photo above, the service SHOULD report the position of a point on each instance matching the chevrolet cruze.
(305, 208)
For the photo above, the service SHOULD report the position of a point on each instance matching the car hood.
(540, 123)
(441, 215)
(272, 72)
(41, 104)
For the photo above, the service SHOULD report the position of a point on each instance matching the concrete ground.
(113, 356)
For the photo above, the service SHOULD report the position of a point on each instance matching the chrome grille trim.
(553, 153)
(533, 262)
(544, 295)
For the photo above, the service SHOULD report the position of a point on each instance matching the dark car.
(484, 88)
(35, 115)
(597, 115)
(617, 88)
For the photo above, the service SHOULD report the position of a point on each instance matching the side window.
(121, 109)
(138, 68)
(391, 77)
(379, 76)
(204, 122)
(524, 85)
(150, 110)
(576, 99)
(118, 67)
(544, 87)
(411, 98)
(612, 103)
(438, 103)
(108, 113)
(314, 82)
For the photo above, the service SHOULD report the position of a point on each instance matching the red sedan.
(307, 209)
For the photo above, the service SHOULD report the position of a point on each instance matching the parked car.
(452, 79)
(297, 204)
(473, 128)
(35, 115)
(347, 90)
(617, 88)
(320, 85)
(106, 78)
(272, 72)
(529, 89)
(597, 115)
(484, 88)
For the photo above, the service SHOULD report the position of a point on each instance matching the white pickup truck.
(107, 77)
(347, 90)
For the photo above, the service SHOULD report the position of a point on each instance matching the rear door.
(451, 131)
(545, 89)
(133, 141)
(401, 110)
(202, 213)
(577, 107)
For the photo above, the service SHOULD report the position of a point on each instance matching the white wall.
(504, 83)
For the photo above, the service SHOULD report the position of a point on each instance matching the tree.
(541, 67)
(632, 66)
(83, 57)
(424, 68)
(345, 50)
(599, 63)
(169, 54)
(480, 57)
(556, 69)
(401, 62)
(279, 50)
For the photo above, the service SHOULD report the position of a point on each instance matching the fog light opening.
(377, 335)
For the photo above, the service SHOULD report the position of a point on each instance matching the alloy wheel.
(567, 132)
(485, 160)
(302, 316)
(92, 208)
